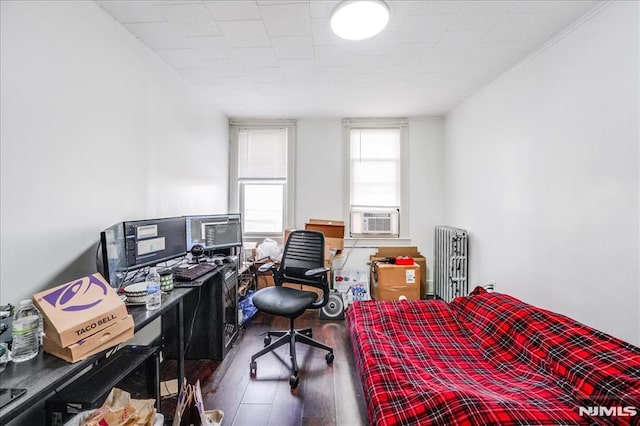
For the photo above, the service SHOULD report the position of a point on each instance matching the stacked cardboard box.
(409, 251)
(83, 317)
(392, 281)
(333, 231)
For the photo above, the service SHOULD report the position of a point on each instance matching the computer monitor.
(214, 232)
(135, 244)
(151, 241)
(111, 259)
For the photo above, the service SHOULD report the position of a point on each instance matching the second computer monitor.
(214, 232)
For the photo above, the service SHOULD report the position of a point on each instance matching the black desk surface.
(45, 373)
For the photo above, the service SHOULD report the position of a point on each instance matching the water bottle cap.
(152, 270)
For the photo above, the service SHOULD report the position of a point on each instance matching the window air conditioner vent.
(383, 222)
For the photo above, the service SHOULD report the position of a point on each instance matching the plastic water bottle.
(153, 290)
(25, 332)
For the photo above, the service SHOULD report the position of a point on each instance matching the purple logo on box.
(79, 295)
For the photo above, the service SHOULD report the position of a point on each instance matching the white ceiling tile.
(555, 7)
(457, 42)
(189, 19)
(332, 55)
(157, 35)
(437, 63)
(322, 8)
(245, 33)
(520, 26)
(269, 89)
(333, 74)
(256, 57)
(412, 53)
(183, 58)
(293, 47)
(374, 64)
(210, 47)
(266, 75)
(398, 14)
(425, 28)
(287, 19)
(233, 10)
(226, 67)
(444, 7)
(293, 67)
(126, 11)
(475, 17)
(322, 34)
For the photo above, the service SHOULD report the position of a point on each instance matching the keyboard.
(193, 272)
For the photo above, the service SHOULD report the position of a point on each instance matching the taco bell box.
(77, 310)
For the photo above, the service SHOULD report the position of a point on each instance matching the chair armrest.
(266, 267)
(316, 272)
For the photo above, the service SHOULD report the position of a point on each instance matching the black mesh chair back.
(303, 251)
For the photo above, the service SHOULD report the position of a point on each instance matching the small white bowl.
(136, 290)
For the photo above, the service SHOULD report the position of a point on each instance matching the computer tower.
(210, 317)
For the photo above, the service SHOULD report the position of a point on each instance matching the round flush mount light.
(359, 19)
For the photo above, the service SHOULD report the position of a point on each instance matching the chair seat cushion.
(283, 301)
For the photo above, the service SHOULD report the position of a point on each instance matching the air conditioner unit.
(374, 222)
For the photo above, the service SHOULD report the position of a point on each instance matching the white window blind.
(262, 153)
(375, 167)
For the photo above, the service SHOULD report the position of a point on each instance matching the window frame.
(236, 185)
(402, 124)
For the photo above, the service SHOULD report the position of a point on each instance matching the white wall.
(320, 176)
(542, 167)
(95, 129)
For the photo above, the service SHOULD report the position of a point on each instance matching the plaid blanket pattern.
(429, 362)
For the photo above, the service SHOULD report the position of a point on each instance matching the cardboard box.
(411, 252)
(333, 231)
(79, 309)
(392, 281)
(113, 335)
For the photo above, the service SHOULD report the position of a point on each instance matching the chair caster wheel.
(329, 357)
(294, 381)
(253, 366)
(267, 340)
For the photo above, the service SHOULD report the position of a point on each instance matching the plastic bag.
(247, 306)
(269, 248)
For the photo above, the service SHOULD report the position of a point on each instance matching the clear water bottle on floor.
(25, 332)
(153, 290)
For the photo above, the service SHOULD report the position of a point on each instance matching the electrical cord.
(193, 319)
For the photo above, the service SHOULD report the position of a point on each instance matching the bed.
(489, 359)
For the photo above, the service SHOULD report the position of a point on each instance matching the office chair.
(302, 263)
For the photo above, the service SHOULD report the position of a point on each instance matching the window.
(261, 187)
(376, 151)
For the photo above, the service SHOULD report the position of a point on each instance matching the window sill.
(375, 242)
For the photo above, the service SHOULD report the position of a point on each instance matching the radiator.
(450, 263)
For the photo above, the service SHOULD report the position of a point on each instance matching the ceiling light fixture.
(359, 19)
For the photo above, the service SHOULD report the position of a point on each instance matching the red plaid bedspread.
(487, 359)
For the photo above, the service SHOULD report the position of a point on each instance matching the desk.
(45, 373)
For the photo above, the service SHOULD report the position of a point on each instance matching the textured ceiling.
(280, 59)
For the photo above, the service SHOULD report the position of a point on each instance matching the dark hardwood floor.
(327, 394)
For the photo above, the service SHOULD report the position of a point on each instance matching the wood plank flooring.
(327, 394)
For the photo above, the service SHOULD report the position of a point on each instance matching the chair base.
(290, 336)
